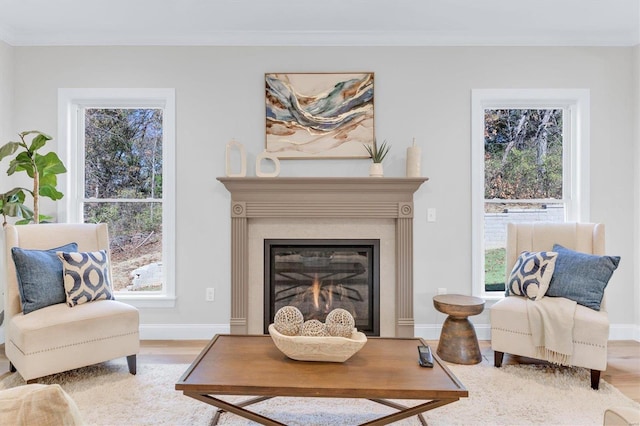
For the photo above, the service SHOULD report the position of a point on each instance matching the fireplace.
(317, 208)
(319, 275)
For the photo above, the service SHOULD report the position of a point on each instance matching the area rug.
(512, 395)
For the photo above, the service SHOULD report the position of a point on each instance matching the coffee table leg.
(398, 407)
(216, 417)
(407, 411)
(394, 417)
(235, 408)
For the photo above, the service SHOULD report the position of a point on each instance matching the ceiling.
(321, 22)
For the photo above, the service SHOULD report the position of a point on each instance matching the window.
(529, 163)
(119, 147)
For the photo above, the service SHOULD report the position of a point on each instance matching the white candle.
(413, 160)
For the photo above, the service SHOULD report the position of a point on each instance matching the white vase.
(376, 170)
(267, 156)
(231, 145)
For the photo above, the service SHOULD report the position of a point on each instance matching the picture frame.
(319, 115)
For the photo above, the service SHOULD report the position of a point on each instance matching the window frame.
(576, 162)
(71, 103)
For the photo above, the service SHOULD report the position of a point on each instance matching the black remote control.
(425, 358)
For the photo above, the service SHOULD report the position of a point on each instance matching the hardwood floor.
(623, 369)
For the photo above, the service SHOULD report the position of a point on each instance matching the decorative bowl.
(315, 348)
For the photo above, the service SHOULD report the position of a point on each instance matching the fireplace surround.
(276, 207)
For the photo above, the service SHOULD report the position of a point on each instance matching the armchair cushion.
(531, 274)
(39, 274)
(581, 277)
(86, 276)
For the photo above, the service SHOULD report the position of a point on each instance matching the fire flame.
(320, 297)
(315, 290)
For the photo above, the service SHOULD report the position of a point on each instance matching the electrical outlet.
(431, 214)
(442, 290)
(210, 295)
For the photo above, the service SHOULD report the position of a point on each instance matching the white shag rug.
(512, 395)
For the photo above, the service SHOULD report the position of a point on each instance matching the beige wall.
(6, 93)
(6, 130)
(636, 121)
(421, 92)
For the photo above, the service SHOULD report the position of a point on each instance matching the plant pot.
(376, 170)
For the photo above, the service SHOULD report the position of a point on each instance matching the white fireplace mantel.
(322, 197)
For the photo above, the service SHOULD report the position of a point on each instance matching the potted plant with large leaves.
(42, 168)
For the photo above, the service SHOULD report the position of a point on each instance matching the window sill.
(147, 301)
(493, 296)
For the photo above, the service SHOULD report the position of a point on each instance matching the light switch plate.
(431, 214)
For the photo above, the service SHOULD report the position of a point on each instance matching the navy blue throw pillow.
(40, 276)
(581, 277)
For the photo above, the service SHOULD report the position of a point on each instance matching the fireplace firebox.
(319, 275)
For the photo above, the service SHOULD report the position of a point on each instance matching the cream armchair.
(58, 338)
(510, 328)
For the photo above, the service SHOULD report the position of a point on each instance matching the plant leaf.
(369, 150)
(38, 141)
(22, 162)
(49, 179)
(17, 210)
(50, 191)
(49, 163)
(44, 218)
(8, 149)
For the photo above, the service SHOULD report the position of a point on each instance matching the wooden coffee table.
(385, 368)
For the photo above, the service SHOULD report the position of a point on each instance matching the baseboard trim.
(624, 332)
(432, 331)
(426, 331)
(173, 331)
(483, 331)
(182, 331)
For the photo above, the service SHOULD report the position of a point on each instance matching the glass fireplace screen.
(317, 276)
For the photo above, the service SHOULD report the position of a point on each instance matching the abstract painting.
(319, 115)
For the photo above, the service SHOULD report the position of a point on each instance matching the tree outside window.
(123, 188)
(523, 177)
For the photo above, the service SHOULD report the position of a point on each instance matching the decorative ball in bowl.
(336, 340)
(318, 348)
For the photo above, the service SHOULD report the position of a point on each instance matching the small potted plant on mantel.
(377, 154)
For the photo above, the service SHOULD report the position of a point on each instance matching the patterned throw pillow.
(532, 274)
(86, 276)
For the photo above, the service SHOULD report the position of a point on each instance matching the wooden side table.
(458, 341)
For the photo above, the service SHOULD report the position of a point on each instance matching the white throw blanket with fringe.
(551, 323)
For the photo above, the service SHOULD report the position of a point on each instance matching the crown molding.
(323, 38)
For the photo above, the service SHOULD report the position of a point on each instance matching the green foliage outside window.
(523, 154)
(494, 269)
(123, 186)
(523, 161)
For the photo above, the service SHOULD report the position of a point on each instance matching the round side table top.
(458, 304)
